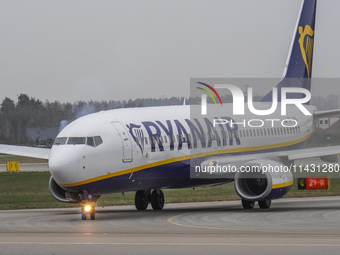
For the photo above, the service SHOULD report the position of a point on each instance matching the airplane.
(149, 149)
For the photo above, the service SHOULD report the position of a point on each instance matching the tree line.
(28, 112)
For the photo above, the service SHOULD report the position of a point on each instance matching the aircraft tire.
(247, 204)
(83, 216)
(142, 199)
(265, 204)
(157, 199)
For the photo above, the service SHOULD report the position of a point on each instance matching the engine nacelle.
(62, 195)
(263, 180)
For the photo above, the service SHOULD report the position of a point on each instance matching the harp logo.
(137, 134)
(306, 42)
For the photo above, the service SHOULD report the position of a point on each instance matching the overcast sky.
(102, 50)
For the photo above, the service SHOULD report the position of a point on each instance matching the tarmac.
(291, 226)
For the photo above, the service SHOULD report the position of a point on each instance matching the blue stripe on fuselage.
(171, 175)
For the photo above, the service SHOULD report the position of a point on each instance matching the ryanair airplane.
(150, 149)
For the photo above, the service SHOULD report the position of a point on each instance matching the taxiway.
(290, 226)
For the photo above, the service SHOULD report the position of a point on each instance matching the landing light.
(88, 208)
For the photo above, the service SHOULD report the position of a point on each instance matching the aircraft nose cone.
(63, 164)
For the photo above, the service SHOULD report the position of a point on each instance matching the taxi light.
(88, 208)
(212, 163)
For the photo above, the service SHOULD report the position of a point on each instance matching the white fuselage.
(127, 142)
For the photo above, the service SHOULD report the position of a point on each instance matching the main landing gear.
(144, 197)
(263, 204)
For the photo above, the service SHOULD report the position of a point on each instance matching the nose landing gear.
(88, 209)
(88, 205)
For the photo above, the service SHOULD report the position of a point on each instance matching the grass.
(28, 190)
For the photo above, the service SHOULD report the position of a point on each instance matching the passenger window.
(165, 139)
(146, 140)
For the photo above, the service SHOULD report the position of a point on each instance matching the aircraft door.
(126, 141)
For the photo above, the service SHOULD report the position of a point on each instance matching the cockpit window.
(90, 141)
(76, 140)
(98, 140)
(60, 140)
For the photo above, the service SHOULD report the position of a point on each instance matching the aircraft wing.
(328, 113)
(32, 152)
(309, 153)
(280, 155)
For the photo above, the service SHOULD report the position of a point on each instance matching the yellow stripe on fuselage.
(177, 159)
(282, 185)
